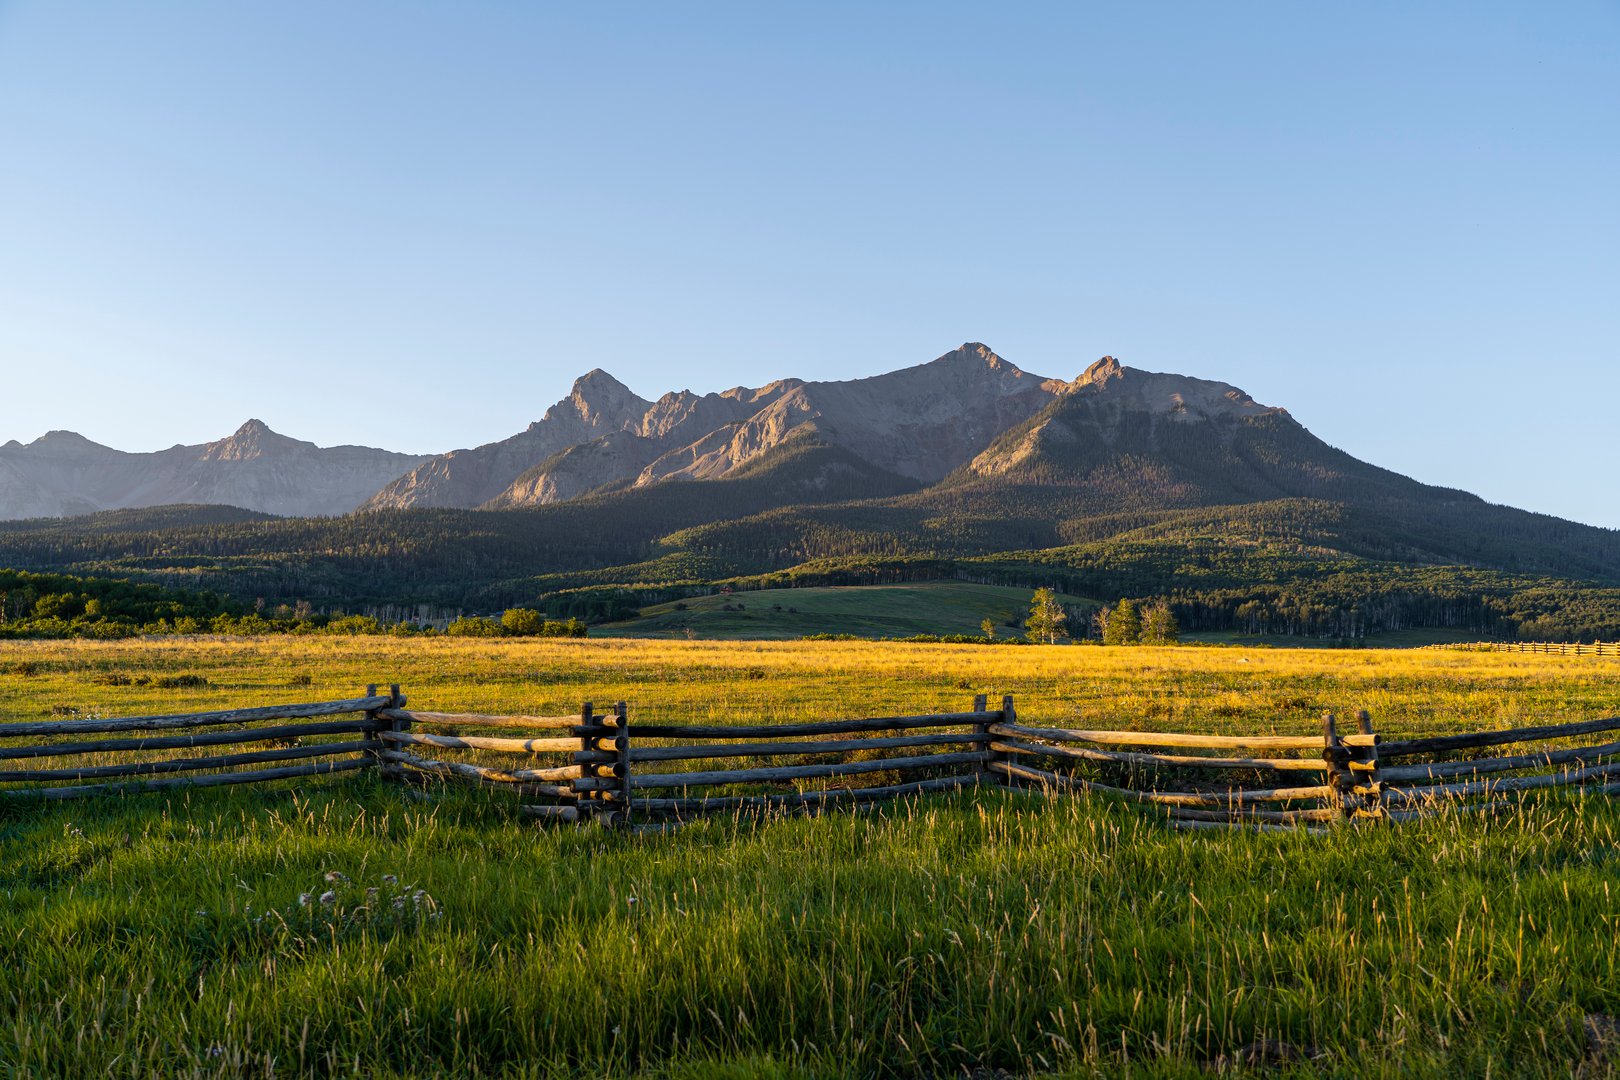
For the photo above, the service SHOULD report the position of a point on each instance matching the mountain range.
(917, 424)
(1117, 482)
(62, 474)
(969, 411)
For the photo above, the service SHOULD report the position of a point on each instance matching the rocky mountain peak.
(61, 439)
(63, 446)
(598, 398)
(975, 354)
(252, 440)
(1099, 373)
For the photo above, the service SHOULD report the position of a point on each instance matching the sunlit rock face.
(920, 423)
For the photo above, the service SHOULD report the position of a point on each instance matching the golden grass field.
(1186, 688)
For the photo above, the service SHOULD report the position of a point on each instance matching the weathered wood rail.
(674, 771)
(596, 767)
(1550, 648)
(322, 742)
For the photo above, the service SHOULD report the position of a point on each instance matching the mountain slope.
(62, 474)
(619, 457)
(919, 422)
(597, 405)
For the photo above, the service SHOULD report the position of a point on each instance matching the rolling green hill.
(925, 607)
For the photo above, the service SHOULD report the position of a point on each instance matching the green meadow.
(873, 611)
(986, 934)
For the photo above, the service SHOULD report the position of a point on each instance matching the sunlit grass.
(1067, 937)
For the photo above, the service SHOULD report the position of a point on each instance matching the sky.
(412, 225)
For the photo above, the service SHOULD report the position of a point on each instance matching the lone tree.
(1159, 626)
(1047, 620)
(1124, 625)
(987, 628)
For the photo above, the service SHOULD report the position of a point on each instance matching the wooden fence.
(673, 770)
(1356, 776)
(1551, 648)
(324, 742)
(587, 767)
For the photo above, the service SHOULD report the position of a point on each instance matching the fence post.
(1009, 715)
(583, 800)
(397, 701)
(621, 762)
(373, 749)
(595, 761)
(1337, 757)
(981, 728)
(1364, 763)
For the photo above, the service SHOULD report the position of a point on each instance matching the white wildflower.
(328, 896)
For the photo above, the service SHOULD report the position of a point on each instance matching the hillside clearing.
(925, 607)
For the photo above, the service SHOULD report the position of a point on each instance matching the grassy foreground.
(164, 934)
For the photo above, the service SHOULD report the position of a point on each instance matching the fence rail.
(598, 767)
(145, 762)
(1553, 648)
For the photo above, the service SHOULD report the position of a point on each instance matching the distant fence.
(1553, 648)
(593, 766)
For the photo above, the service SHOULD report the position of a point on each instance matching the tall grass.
(164, 934)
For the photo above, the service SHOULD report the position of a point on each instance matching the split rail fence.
(598, 766)
(1549, 648)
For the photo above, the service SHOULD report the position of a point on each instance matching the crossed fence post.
(604, 754)
(375, 746)
(1358, 792)
(1364, 768)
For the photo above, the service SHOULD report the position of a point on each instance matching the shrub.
(180, 682)
(522, 622)
(354, 624)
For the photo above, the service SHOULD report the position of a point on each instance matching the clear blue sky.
(411, 224)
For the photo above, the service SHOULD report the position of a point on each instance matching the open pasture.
(919, 607)
(164, 932)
